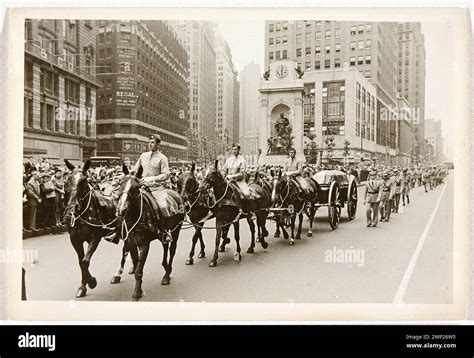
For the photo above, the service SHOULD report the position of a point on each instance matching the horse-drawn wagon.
(337, 189)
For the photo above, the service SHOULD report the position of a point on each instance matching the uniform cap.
(155, 136)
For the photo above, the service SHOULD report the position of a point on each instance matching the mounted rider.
(293, 169)
(234, 169)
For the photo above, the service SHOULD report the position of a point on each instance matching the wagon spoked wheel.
(352, 200)
(334, 208)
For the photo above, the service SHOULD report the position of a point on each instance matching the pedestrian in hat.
(397, 180)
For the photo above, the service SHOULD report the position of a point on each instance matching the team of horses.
(91, 216)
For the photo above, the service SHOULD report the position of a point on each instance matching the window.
(368, 74)
(328, 34)
(338, 33)
(361, 29)
(327, 48)
(307, 38)
(285, 54)
(338, 48)
(360, 60)
(298, 52)
(318, 50)
(271, 27)
(368, 59)
(360, 45)
(298, 38)
(317, 36)
(278, 41)
(307, 65)
(285, 40)
(368, 28)
(317, 65)
(270, 55)
(368, 44)
(353, 46)
(353, 30)
(28, 74)
(327, 64)
(337, 63)
(353, 61)
(278, 26)
(285, 25)
(333, 108)
(308, 51)
(278, 55)
(271, 41)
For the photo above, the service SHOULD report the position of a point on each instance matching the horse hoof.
(115, 279)
(137, 296)
(92, 283)
(221, 248)
(132, 271)
(264, 244)
(309, 234)
(292, 242)
(237, 257)
(189, 261)
(257, 239)
(201, 255)
(213, 263)
(81, 292)
(165, 281)
(250, 250)
(265, 233)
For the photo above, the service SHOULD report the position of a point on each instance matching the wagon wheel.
(334, 208)
(352, 199)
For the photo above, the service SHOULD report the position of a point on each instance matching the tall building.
(143, 69)
(369, 47)
(236, 122)
(60, 90)
(434, 137)
(249, 107)
(198, 37)
(225, 90)
(411, 74)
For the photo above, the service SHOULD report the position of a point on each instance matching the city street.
(306, 272)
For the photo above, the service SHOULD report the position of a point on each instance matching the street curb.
(45, 231)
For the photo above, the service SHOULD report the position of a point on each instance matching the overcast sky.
(247, 38)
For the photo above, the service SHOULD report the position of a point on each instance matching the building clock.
(282, 71)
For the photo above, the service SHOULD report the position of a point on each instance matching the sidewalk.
(45, 231)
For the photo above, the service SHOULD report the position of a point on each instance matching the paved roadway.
(304, 272)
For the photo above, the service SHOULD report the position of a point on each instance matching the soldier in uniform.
(373, 193)
(425, 177)
(397, 180)
(406, 187)
(293, 169)
(234, 169)
(386, 198)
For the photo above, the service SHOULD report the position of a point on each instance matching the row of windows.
(51, 118)
(359, 30)
(360, 60)
(278, 26)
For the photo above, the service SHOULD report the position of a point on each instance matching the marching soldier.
(406, 186)
(425, 177)
(386, 197)
(397, 180)
(372, 197)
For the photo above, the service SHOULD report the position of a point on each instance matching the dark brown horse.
(139, 221)
(89, 216)
(288, 203)
(197, 209)
(227, 209)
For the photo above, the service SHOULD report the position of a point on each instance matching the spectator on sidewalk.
(33, 197)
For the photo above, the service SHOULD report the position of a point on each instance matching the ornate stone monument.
(281, 112)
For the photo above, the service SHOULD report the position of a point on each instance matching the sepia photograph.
(280, 156)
